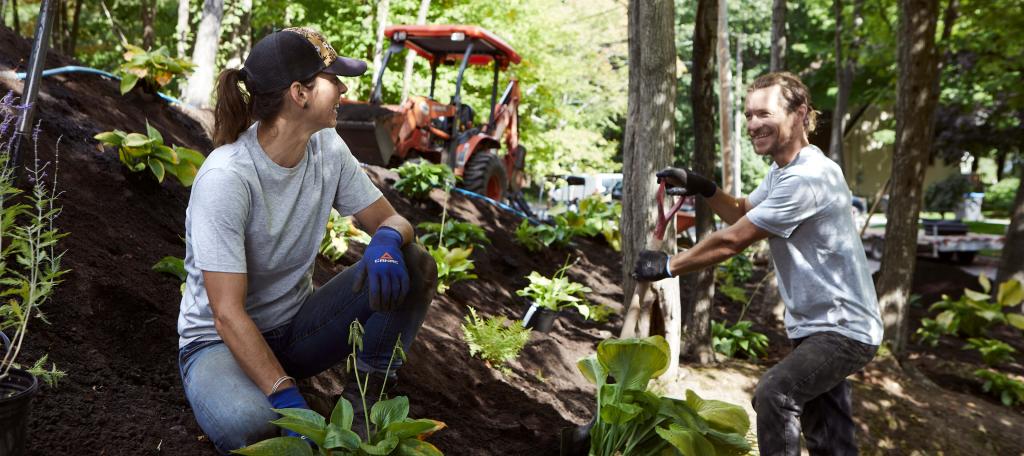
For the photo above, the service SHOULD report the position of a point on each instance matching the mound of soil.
(113, 320)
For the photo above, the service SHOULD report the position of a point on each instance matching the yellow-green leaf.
(1011, 293)
(128, 81)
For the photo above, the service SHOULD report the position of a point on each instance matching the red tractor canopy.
(445, 44)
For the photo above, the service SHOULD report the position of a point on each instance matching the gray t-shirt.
(822, 271)
(247, 214)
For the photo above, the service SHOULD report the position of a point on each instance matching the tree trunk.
(1000, 163)
(698, 313)
(378, 46)
(1011, 263)
(844, 82)
(147, 8)
(778, 58)
(725, 96)
(916, 97)
(410, 57)
(3, 11)
(647, 148)
(181, 30)
(73, 39)
(200, 84)
(57, 27)
(737, 121)
(14, 14)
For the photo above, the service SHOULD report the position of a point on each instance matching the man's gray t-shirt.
(247, 214)
(822, 270)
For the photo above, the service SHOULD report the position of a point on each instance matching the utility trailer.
(947, 240)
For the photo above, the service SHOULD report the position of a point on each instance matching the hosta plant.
(453, 265)
(738, 338)
(454, 234)
(992, 351)
(541, 236)
(1009, 391)
(557, 292)
(139, 151)
(156, 68)
(391, 430)
(339, 233)
(594, 216)
(975, 312)
(929, 332)
(494, 339)
(174, 266)
(415, 180)
(634, 421)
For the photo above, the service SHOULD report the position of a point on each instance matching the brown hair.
(237, 109)
(793, 91)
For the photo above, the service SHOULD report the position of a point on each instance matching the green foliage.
(992, 351)
(417, 179)
(557, 292)
(975, 312)
(174, 266)
(494, 340)
(390, 430)
(944, 196)
(340, 231)
(453, 265)
(728, 340)
(929, 332)
(595, 214)
(999, 197)
(541, 236)
(632, 420)
(156, 68)
(455, 234)
(730, 276)
(1009, 391)
(137, 151)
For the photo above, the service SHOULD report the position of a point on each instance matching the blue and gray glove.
(383, 270)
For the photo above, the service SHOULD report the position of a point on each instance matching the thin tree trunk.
(778, 57)
(14, 14)
(410, 57)
(725, 96)
(844, 73)
(698, 313)
(1000, 163)
(73, 39)
(3, 12)
(916, 98)
(200, 84)
(57, 28)
(148, 12)
(378, 46)
(181, 30)
(737, 121)
(647, 147)
(1011, 263)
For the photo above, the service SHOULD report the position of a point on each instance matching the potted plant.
(29, 269)
(547, 296)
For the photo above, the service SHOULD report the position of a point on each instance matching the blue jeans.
(232, 410)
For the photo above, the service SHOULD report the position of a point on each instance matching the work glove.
(682, 182)
(651, 266)
(383, 270)
(289, 398)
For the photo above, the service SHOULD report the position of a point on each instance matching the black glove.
(682, 182)
(651, 266)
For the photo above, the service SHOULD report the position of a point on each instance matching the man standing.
(803, 208)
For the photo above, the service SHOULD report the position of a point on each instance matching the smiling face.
(324, 99)
(772, 129)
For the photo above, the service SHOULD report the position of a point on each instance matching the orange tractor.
(486, 154)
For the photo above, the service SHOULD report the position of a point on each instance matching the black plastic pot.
(16, 393)
(539, 318)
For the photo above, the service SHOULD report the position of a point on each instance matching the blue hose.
(87, 70)
(497, 204)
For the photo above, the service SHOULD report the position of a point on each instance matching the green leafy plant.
(1009, 391)
(417, 179)
(339, 233)
(391, 430)
(634, 421)
(454, 234)
(541, 236)
(30, 264)
(157, 68)
(731, 274)
(728, 340)
(975, 312)
(557, 292)
(594, 216)
(174, 266)
(453, 265)
(495, 340)
(929, 332)
(999, 197)
(944, 196)
(138, 151)
(992, 351)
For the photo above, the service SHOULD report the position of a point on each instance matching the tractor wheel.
(485, 174)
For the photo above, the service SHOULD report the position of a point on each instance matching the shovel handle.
(663, 217)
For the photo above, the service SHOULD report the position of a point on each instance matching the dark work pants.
(808, 390)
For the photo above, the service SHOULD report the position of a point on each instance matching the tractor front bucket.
(367, 130)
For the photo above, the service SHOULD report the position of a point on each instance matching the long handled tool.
(639, 310)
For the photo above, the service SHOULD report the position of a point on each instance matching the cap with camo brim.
(294, 54)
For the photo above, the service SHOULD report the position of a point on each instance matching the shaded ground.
(113, 319)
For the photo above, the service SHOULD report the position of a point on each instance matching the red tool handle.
(663, 218)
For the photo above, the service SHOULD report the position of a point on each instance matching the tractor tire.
(485, 174)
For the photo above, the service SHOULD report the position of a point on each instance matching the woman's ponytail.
(232, 113)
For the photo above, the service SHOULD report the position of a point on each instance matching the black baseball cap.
(294, 54)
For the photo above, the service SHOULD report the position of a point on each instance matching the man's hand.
(682, 182)
(383, 270)
(288, 398)
(651, 266)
